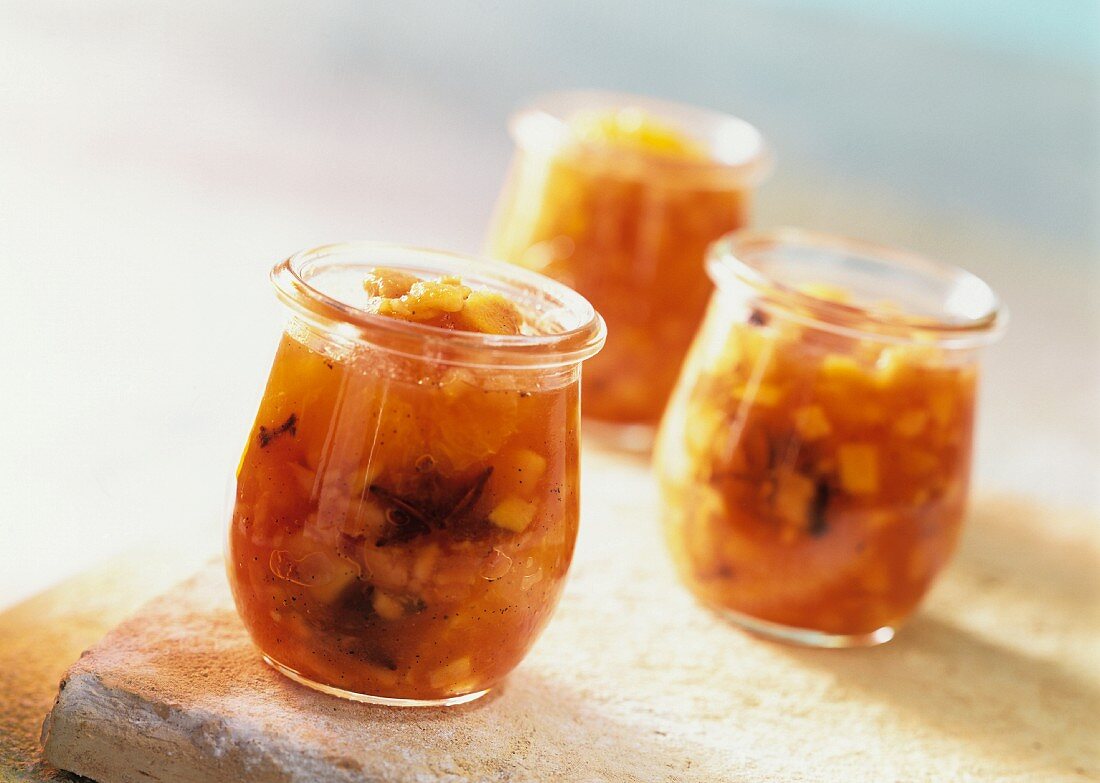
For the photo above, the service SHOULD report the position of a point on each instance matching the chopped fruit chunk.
(427, 300)
(811, 422)
(489, 313)
(473, 423)
(455, 671)
(858, 468)
(530, 463)
(911, 423)
(793, 495)
(345, 572)
(513, 513)
(387, 607)
(520, 472)
(843, 369)
(444, 302)
(388, 283)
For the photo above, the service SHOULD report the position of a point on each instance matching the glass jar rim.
(972, 314)
(736, 149)
(581, 335)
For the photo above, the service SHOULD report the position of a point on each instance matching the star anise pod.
(411, 517)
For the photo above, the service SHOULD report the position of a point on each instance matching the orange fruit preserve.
(403, 522)
(619, 198)
(815, 460)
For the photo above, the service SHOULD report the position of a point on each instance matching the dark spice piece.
(758, 317)
(471, 528)
(411, 518)
(818, 522)
(406, 520)
(290, 425)
(470, 498)
(370, 653)
(462, 524)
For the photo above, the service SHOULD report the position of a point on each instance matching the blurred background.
(156, 159)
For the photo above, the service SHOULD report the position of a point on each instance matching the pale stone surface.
(41, 637)
(997, 679)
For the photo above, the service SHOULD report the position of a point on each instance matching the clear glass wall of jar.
(618, 196)
(815, 458)
(407, 502)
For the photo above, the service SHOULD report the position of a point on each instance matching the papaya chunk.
(444, 302)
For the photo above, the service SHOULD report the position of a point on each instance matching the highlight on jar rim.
(885, 294)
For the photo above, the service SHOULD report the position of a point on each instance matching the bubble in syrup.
(495, 566)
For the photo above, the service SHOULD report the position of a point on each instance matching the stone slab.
(997, 679)
(42, 636)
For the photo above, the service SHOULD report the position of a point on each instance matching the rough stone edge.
(163, 743)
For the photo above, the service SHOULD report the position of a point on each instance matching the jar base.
(367, 698)
(807, 637)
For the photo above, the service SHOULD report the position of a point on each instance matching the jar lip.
(582, 330)
(736, 149)
(971, 314)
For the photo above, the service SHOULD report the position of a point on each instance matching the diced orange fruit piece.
(344, 572)
(489, 313)
(793, 495)
(843, 368)
(472, 423)
(445, 302)
(426, 300)
(530, 463)
(911, 423)
(387, 606)
(513, 514)
(519, 471)
(811, 422)
(449, 675)
(858, 464)
(388, 283)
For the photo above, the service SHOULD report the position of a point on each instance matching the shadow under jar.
(407, 502)
(815, 458)
(618, 196)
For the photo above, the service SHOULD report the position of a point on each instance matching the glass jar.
(618, 196)
(815, 457)
(407, 502)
